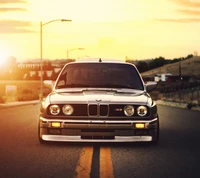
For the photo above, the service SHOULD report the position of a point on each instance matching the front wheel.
(156, 134)
(41, 131)
(155, 138)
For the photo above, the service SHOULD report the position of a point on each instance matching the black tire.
(156, 135)
(155, 139)
(41, 141)
(40, 132)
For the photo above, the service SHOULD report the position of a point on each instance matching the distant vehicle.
(162, 77)
(99, 101)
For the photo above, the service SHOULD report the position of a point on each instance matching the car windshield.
(99, 75)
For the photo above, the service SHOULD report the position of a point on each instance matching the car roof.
(100, 60)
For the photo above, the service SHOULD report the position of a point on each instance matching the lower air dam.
(63, 138)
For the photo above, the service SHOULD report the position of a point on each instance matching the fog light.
(139, 126)
(55, 124)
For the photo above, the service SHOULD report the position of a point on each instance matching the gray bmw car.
(98, 101)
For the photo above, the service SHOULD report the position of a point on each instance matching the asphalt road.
(176, 156)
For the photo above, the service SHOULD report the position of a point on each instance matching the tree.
(189, 56)
(142, 66)
(157, 62)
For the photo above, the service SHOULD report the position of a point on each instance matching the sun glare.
(4, 54)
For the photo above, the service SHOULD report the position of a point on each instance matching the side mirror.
(150, 86)
(49, 84)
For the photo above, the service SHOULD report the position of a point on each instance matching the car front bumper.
(97, 130)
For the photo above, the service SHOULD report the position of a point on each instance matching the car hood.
(85, 96)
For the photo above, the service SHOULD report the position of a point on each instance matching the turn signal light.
(140, 126)
(55, 124)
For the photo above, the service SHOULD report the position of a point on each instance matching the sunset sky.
(138, 29)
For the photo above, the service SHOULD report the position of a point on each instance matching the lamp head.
(65, 20)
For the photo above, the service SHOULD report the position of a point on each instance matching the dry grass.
(26, 90)
(188, 67)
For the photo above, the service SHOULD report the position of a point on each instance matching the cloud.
(190, 12)
(6, 9)
(187, 3)
(11, 1)
(14, 26)
(189, 8)
(180, 20)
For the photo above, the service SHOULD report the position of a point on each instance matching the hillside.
(188, 67)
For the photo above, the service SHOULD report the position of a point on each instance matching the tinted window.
(100, 75)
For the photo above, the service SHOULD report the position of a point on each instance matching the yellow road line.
(83, 168)
(106, 167)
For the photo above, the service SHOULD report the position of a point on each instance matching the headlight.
(54, 109)
(129, 110)
(142, 110)
(67, 109)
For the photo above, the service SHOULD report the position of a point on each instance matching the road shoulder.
(16, 104)
(176, 104)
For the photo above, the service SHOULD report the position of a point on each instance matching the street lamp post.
(41, 60)
(68, 50)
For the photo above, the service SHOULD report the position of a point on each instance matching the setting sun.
(4, 54)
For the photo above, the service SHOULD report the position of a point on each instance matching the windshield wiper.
(73, 85)
(94, 86)
(116, 86)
